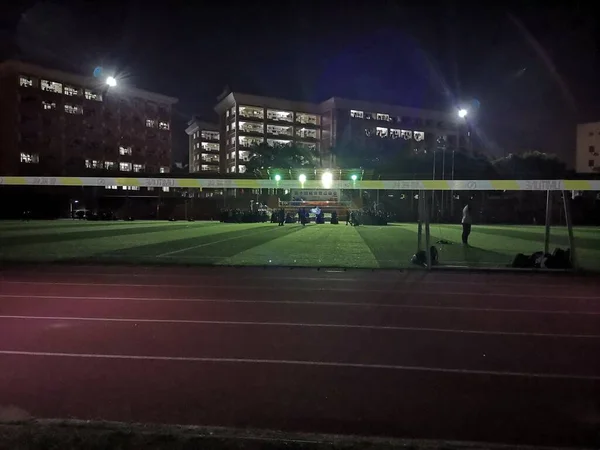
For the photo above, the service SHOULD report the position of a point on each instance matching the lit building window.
(165, 189)
(25, 81)
(278, 143)
(279, 116)
(124, 150)
(164, 169)
(51, 86)
(48, 105)
(111, 187)
(30, 158)
(233, 125)
(395, 133)
(210, 158)
(419, 135)
(93, 164)
(381, 116)
(244, 155)
(205, 167)
(73, 109)
(151, 123)
(251, 127)
(381, 132)
(357, 114)
(279, 130)
(138, 167)
(227, 113)
(252, 112)
(163, 125)
(71, 91)
(308, 145)
(91, 95)
(233, 169)
(131, 188)
(210, 135)
(212, 146)
(307, 133)
(227, 127)
(232, 140)
(249, 141)
(241, 169)
(406, 134)
(125, 166)
(110, 165)
(233, 111)
(307, 119)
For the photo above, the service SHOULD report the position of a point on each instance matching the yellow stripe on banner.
(438, 185)
(187, 183)
(577, 185)
(70, 181)
(247, 184)
(19, 181)
(127, 181)
(371, 184)
(505, 185)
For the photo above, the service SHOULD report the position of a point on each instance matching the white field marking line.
(310, 303)
(305, 363)
(301, 288)
(301, 278)
(299, 325)
(213, 242)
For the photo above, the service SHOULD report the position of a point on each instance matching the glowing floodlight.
(327, 180)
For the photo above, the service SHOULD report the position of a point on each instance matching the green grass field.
(326, 245)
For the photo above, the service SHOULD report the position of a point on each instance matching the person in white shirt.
(466, 224)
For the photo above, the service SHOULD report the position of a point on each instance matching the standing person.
(466, 224)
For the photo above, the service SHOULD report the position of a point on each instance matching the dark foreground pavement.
(452, 356)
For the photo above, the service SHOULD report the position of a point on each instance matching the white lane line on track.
(312, 289)
(212, 243)
(309, 303)
(300, 325)
(305, 363)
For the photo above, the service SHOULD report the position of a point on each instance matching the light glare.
(327, 179)
(111, 81)
(277, 177)
(462, 113)
(354, 177)
(302, 178)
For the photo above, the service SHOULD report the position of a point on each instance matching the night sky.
(530, 71)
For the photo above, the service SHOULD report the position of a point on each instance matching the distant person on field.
(466, 224)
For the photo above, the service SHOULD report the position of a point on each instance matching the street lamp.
(302, 178)
(111, 81)
(462, 113)
(354, 177)
(277, 177)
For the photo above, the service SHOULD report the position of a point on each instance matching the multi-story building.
(247, 120)
(587, 156)
(58, 123)
(204, 147)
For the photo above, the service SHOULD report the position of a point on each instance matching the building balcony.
(308, 120)
(275, 115)
(251, 112)
(210, 146)
(307, 133)
(280, 131)
(251, 128)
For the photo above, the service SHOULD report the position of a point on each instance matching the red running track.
(480, 357)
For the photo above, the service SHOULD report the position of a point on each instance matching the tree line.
(393, 161)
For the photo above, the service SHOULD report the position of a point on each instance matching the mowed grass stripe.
(392, 245)
(58, 228)
(86, 248)
(235, 244)
(113, 232)
(314, 245)
(183, 243)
